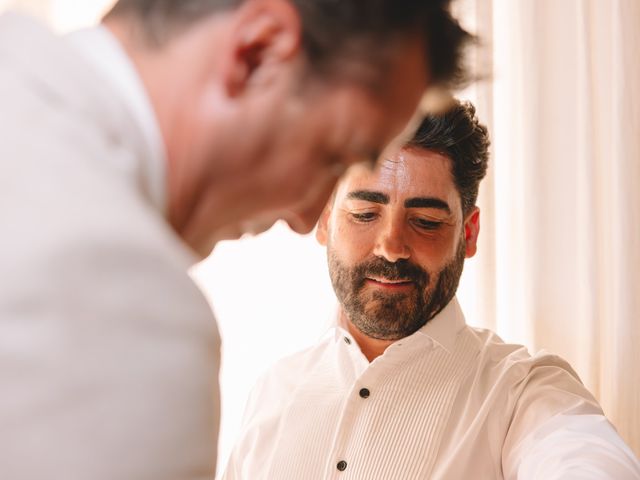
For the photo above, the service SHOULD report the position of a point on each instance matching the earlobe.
(266, 33)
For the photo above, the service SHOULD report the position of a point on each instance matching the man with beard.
(401, 388)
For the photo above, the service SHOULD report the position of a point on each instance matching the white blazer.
(109, 354)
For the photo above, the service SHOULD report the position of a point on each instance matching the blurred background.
(558, 266)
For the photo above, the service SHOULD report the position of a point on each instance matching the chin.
(230, 232)
(255, 227)
(236, 231)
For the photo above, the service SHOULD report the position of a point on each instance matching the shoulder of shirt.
(513, 362)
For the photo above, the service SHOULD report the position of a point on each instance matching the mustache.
(401, 270)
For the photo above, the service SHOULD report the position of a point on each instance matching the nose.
(391, 243)
(302, 220)
(302, 223)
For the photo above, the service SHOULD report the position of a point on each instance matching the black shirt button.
(347, 340)
(364, 393)
(342, 465)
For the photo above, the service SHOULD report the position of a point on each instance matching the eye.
(426, 224)
(364, 217)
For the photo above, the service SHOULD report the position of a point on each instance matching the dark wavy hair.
(459, 135)
(332, 27)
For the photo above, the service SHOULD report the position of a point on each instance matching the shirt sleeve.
(580, 447)
(558, 430)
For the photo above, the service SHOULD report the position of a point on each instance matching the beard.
(395, 315)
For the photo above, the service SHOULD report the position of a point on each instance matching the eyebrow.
(415, 202)
(369, 196)
(427, 202)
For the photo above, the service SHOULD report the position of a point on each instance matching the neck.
(371, 348)
(175, 94)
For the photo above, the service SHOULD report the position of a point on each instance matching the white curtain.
(559, 267)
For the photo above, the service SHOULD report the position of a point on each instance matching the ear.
(266, 33)
(322, 231)
(471, 232)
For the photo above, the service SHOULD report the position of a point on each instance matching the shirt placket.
(361, 395)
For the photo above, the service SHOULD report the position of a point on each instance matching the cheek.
(436, 251)
(302, 163)
(311, 186)
(292, 180)
(352, 245)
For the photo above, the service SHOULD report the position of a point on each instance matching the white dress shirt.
(449, 402)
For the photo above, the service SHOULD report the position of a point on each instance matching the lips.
(388, 280)
(389, 283)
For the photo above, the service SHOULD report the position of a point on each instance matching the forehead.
(411, 172)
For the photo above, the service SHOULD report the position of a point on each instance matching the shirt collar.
(105, 54)
(442, 329)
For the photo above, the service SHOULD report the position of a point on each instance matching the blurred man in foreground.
(127, 152)
(401, 388)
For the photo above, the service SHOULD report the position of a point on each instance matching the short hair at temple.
(331, 27)
(458, 134)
